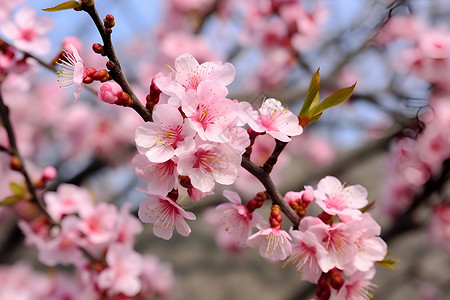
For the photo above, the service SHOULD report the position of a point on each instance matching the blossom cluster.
(414, 160)
(197, 138)
(427, 54)
(98, 241)
(341, 242)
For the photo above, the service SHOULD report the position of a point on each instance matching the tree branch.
(116, 69)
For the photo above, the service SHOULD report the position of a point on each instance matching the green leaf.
(10, 200)
(312, 96)
(16, 189)
(388, 262)
(336, 98)
(63, 6)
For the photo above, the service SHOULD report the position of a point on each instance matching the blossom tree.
(186, 128)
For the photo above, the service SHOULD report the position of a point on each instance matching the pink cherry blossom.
(157, 278)
(19, 281)
(68, 199)
(336, 239)
(121, 275)
(209, 112)
(72, 71)
(6, 6)
(28, 32)
(63, 247)
(99, 224)
(371, 248)
(335, 199)
(109, 92)
(165, 214)
(127, 226)
(208, 164)
(189, 73)
(277, 121)
(439, 227)
(166, 136)
(161, 177)
(274, 244)
(236, 219)
(357, 287)
(308, 255)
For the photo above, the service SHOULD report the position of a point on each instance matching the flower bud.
(15, 163)
(336, 279)
(97, 48)
(124, 99)
(49, 173)
(153, 97)
(109, 21)
(109, 92)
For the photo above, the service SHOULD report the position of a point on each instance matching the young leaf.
(388, 262)
(10, 200)
(63, 6)
(16, 189)
(312, 96)
(336, 98)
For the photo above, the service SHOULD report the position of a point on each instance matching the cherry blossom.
(6, 7)
(109, 92)
(189, 73)
(28, 32)
(19, 281)
(371, 248)
(308, 255)
(165, 214)
(72, 71)
(338, 241)
(208, 164)
(99, 224)
(357, 287)
(335, 199)
(127, 226)
(68, 199)
(209, 111)
(161, 177)
(121, 275)
(166, 136)
(274, 244)
(236, 219)
(439, 227)
(157, 278)
(277, 121)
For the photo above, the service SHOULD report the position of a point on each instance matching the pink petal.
(168, 115)
(160, 153)
(232, 196)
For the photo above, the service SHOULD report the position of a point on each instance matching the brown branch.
(14, 152)
(272, 160)
(264, 177)
(116, 69)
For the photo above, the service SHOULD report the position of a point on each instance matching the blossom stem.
(14, 151)
(264, 177)
(272, 160)
(116, 70)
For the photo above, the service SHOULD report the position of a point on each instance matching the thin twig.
(263, 176)
(116, 71)
(14, 152)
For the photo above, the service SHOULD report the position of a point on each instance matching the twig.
(116, 69)
(14, 152)
(264, 177)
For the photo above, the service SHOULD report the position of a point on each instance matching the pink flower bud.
(49, 173)
(109, 92)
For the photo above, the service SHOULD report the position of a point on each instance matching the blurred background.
(392, 136)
